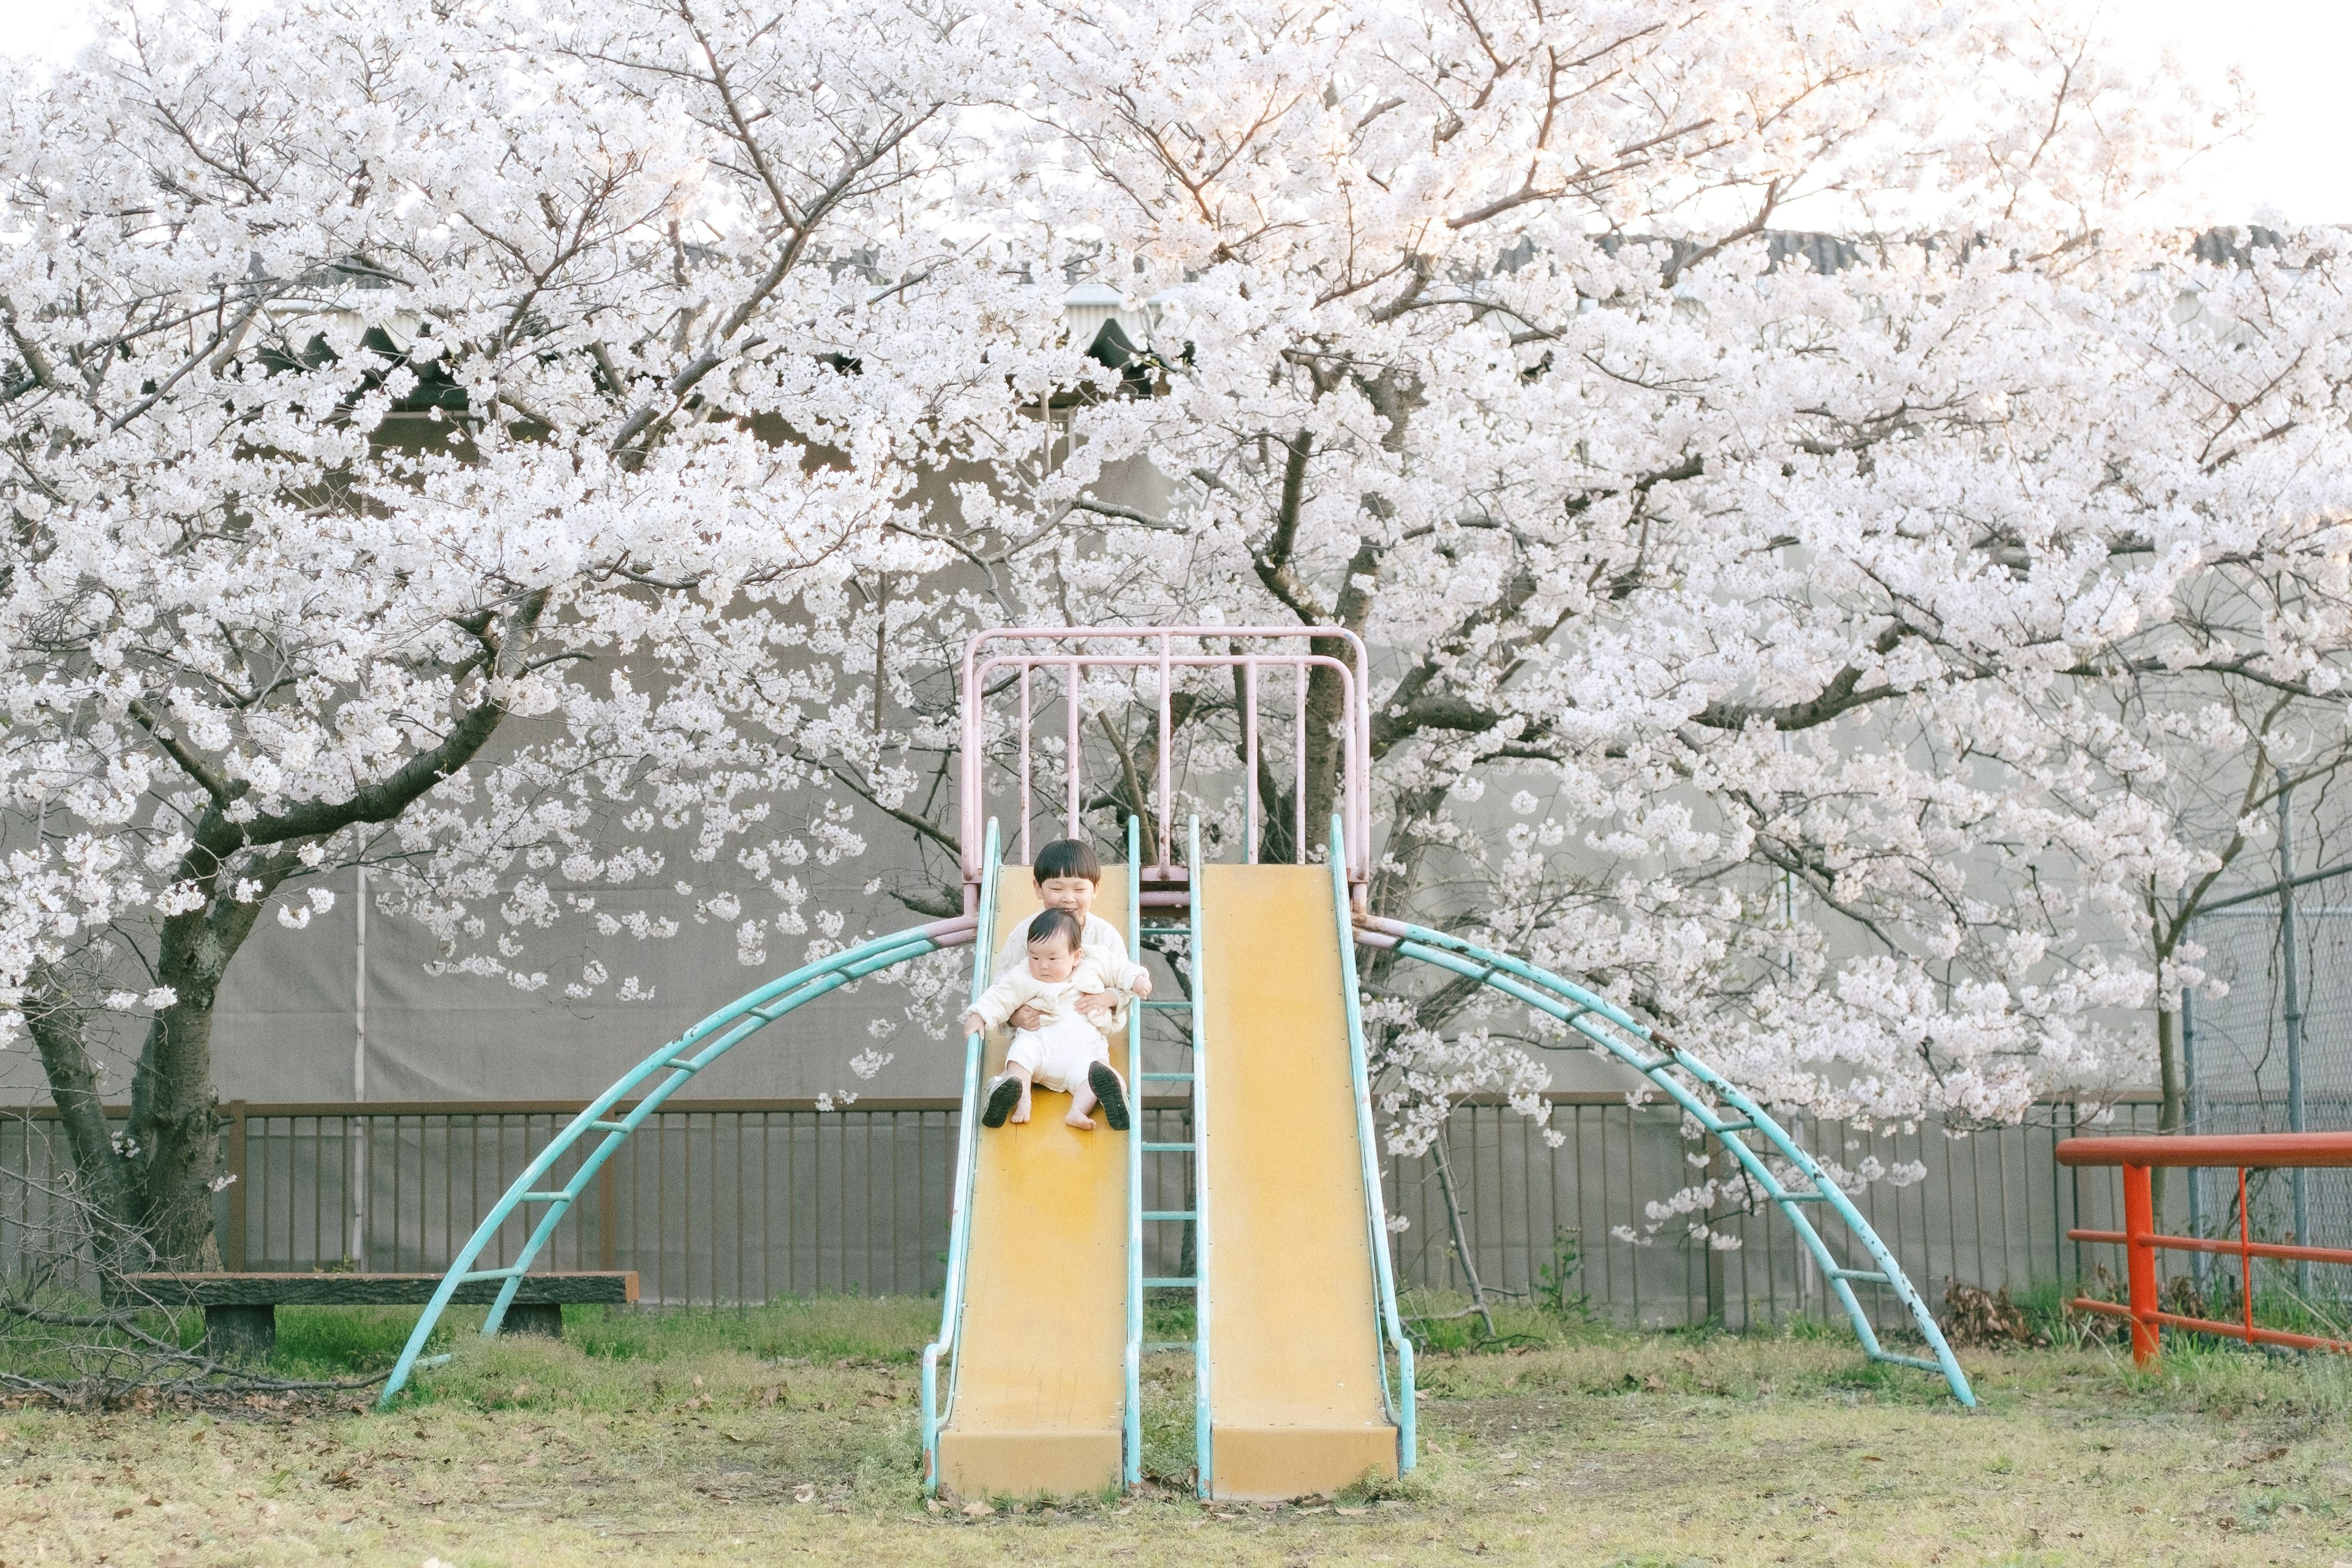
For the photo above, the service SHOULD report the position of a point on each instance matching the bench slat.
(614, 1286)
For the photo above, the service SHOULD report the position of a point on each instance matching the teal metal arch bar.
(672, 1066)
(1658, 1059)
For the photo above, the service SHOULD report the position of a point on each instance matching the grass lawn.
(788, 1434)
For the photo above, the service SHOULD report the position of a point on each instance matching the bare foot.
(1082, 1122)
(1020, 1112)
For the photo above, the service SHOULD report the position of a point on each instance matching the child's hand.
(1027, 1017)
(974, 1024)
(1142, 987)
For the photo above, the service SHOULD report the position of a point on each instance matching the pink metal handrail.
(1073, 665)
(1353, 673)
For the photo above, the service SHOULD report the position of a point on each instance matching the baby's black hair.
(1050, 923)
(1068, 857)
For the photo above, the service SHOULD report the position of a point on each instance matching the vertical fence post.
(2197, 1260)
(608, 1222)
(2140, 1260)
(2291, 973)
(239, 1187)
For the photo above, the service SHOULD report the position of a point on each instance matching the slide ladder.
(1184, 1151)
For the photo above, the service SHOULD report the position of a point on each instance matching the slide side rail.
(1398, 1397)
(937, 1413)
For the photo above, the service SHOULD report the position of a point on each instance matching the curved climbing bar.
(1658, 1059)
(673, 1065)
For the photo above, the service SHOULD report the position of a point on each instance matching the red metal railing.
(2141, 1239)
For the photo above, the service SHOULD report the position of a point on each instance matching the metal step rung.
(1917, 1363)
(1165, 1077)
(547, 1197)
(1152, 1346)
(1783, 1195)
(1148, 1002)
(1170, 1282)
(1867, 1276)
(487, 1274)
(607, 1127)
(1171, 1214)
(1720, 1128)
(1168, 1148)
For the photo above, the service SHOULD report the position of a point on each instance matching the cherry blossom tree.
(437, 438)
(484, 442)
(1847, 651)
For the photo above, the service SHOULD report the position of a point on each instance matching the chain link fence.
(2273, 1054)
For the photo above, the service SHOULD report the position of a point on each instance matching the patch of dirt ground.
(1652, 1451)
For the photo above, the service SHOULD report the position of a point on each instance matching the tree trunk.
(2168, 1070)
(165, 1172)
(174, 1113)
(101, 1173)
(1461, 1235)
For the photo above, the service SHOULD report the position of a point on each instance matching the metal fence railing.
(733, 1201)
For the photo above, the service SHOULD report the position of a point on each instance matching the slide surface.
(1295, 1403)
(1038, 1367)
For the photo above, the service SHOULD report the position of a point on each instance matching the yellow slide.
(1038, 1367)
(1295, 1367)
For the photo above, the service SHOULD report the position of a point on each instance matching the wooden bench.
(241, 1309)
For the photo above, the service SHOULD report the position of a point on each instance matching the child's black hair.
(1068, 857)
(1050, 923)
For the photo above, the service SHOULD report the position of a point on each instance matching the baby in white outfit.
(1066, 1050)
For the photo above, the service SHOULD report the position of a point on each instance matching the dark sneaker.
(1003, 1096)
(1111, 1092)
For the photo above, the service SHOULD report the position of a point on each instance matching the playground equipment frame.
(2141, 1240)
(1662, 1063)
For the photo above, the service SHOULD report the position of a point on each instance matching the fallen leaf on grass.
(976, 1509)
